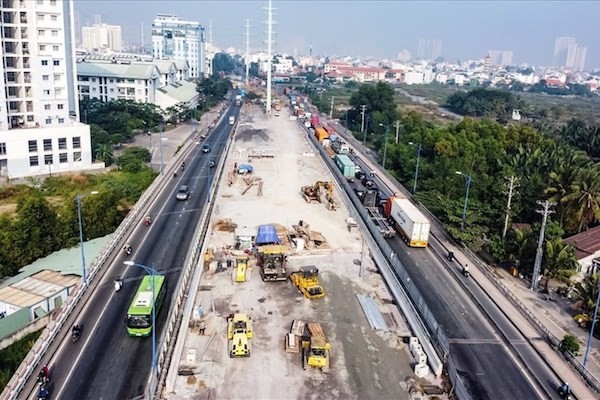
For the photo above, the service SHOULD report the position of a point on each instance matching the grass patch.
(13, 355)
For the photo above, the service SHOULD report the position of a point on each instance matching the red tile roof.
(585, 243)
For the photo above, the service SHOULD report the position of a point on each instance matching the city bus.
(139, 315)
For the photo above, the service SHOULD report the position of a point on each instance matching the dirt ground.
(365, 364)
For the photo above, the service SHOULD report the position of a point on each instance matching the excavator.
(313, 193)
(307, 281)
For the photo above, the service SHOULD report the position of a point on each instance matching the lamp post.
(387, 130)
(464, 215)
(83, 272)
(419, 148)
(589, 342)
(152, 272)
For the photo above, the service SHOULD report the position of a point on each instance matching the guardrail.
(41, 346)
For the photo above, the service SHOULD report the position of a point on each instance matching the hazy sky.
(468, 29)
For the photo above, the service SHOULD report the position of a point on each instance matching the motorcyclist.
(450, 255)
(76, 331)
(564, 390)
(127, 248)
(147, 219)
(118, 284)
(43, 394)
(465, 270)
(43, 376)
(175, 174)
(183, 165)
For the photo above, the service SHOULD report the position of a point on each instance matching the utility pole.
(331, 109)
(397, 126)
(247, 52)
(210, 32)
(511, 187)
(269, 55)
(537, 266)
(362, 113)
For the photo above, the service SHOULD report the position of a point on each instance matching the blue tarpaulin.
(266, 235)
(245, 168)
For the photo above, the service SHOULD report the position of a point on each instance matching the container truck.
(321, 134)
(412, 225)
(314, 121)
(345, 165)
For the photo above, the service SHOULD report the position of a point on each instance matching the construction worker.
(202, 327)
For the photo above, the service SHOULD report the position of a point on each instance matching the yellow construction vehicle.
(307, 280)
(239, 331)
(315, 349)
(271, 261)
(314, 192)
(241, 268)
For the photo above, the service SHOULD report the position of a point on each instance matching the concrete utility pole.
(331, 109)
(269, 55)
(511, 187)
(210, 32)
(397, 126)
(537, 266)
(247, 51)
(362, 113)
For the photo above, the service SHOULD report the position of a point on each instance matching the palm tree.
(104, 153)
(585, 196)
(560, 261)
(587, 292)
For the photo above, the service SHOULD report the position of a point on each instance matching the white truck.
(231, 120)
(411, 223)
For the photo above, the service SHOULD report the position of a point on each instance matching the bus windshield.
(139, 321)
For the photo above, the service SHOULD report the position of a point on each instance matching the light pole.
(78, 198)
(464, 216)
(387, 130)
(419, 148)
(589, 342)
(152, 272)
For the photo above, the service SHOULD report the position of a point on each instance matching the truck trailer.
(346, 165)
(411, 223)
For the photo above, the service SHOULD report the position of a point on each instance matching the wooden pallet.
(316, 330)
(298, 327)
(292, 343)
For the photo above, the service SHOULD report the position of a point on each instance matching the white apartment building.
(40, 132)
(101, 36)
(176, 39)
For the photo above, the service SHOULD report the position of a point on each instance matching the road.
(105, 363)
(493, 358)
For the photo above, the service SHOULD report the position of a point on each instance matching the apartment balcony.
(23, 18)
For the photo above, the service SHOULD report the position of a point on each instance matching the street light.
(79, 197)
(419, 148)
(152, 272)
(464, 215)
(387, 130)
(589, 342)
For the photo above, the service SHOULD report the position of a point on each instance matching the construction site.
(285, 309)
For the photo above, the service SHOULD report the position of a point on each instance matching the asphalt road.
(106, 363)
(491, 356)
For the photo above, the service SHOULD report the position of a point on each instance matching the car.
(183, 193)
(204, 135)
(206, 148)
(211, 163)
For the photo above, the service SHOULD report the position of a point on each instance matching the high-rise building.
(429, 49)
(179, 40)
(501, 57)
(404, 55)
(101, 36)
(564, 49)
(40, 132)
(579, 62)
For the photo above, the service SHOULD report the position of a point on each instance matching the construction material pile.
(225, 225)
(312, 239)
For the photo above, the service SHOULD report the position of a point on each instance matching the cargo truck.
(412, 225)
(238, 100)
(321, 134)
(346, 165)
(231, 120)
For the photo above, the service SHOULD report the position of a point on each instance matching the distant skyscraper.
(501, 57)
(404, 55)
(564, 51)
(179, 40)
(101, 36)
(429, 49)
(580, 55)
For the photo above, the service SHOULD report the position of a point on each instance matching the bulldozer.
(314, 193)
(241, 270)
(307, 281)
(272, 260)
(315, 349)
(239, 331)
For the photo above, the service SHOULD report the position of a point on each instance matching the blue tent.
(245, 169)
(266, 235)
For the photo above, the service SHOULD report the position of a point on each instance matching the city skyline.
(467, 30)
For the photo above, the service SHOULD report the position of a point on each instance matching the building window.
(54, 33)
(47, 106)
(57, 77)
(40, 2)
(48, 159)
(62, 158)
(61, 120)
(56, 63)
(77, 156)
(93, 79)
(47, 144)
(62, 143)
(34, 161)
(44, 62)
(48, 121)
(60, 106)
(55, 48)
(58, 92)
(47, 92)
(42, 47)
(45, 77)
(53, 18)
(111, 80)
(77, 142)
(40, 17)
(32, 146)
(52, 2)
(41, 32)
(2, 149)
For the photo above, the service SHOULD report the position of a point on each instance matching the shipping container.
(410, 222)
(329, 130)
(321, 134)
(346, 165)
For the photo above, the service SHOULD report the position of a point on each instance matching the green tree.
(559, 261)
(586, 292)
(585, 196)
(569, 344)
(100, 213)
(133, 159)
(222, 62)
(104, 152)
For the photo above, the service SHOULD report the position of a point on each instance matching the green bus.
(139, 315)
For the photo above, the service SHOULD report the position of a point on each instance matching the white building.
(40, 132)
(413, 78)
(102, 36)
(173, 38)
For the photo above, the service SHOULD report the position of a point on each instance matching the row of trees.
(483, 102)
(212, 90)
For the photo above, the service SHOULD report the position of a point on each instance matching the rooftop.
(36, 288)
(585, 243)
(131, 71)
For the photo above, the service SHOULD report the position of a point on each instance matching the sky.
(468, 29)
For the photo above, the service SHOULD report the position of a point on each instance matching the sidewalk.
(550, 313)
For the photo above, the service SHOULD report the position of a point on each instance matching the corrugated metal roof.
(124, 71)
(38, 287)
(585, 243)
(19, 298)
(185, 91)
(57, 278)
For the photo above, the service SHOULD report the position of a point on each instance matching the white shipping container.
(413, 224)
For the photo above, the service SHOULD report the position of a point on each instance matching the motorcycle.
(174, 174)
(465, 271)
(182, 166)
(147, 220)
(75, 335)
(450, 256)
(564, 393)
(43, 394)
(127, 250)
